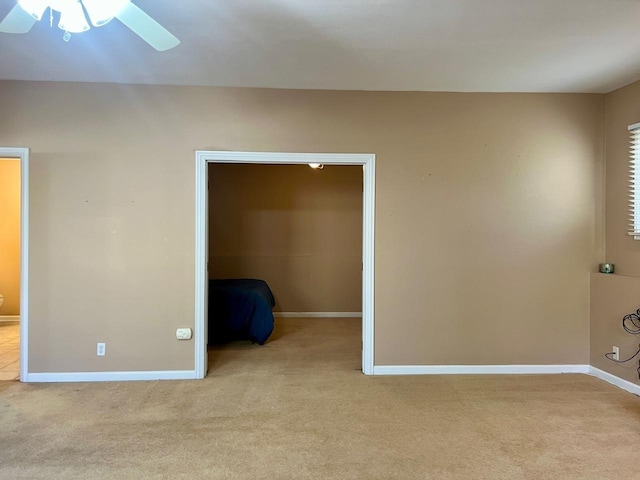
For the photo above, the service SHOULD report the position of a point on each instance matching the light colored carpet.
(299, 407)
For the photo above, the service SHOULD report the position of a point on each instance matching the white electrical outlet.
(183, 334)
(616, 353)
(101, 350)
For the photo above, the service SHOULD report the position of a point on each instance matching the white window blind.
(634, 181)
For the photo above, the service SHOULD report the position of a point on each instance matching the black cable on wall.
(631, 324)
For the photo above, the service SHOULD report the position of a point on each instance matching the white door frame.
(275, 158)
(22, 154)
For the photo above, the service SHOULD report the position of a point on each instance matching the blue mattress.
(240, 309)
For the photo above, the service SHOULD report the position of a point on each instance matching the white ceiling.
(429, 45)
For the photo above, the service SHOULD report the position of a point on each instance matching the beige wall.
(10, 236)
(297, 228)
(613, 297)
(622, 110)
(488, 215)
(619, 294)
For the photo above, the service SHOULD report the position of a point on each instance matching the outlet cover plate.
(184, 334)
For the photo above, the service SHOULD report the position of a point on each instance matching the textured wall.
(622, 110)
(297, 228)
(613, 296)
(488, 215)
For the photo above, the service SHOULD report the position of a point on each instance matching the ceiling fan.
(75, 15)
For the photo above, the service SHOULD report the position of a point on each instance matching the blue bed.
(240, 309)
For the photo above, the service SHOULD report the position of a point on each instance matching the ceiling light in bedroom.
(77, 16)
(72, 18)
(317, 166)
(101, 12)
(72, 12)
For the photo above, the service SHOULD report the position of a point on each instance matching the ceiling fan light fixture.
(75, 16)
(101, 12)
(35, 8)
(72, 18)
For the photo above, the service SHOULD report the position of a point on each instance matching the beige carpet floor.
(299, 408)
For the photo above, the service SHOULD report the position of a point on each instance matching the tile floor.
(9, 351)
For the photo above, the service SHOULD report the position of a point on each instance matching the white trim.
(317, 314)
(201, 286)
(378, 370)
(635, 126)
(368, 235)
(613, 380)
(368, 263)
(280, 158)
(23, 155)
(111, 376)
(477, 369)
(9, 318)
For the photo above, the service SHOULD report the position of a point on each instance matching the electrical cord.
(622, 361)
(631, 323)
(607, 355)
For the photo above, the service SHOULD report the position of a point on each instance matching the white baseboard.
(477, 369)
(505, 370)
(317, 314)
(110, 376)
(9, 318)
(617, 381)
(377, 370)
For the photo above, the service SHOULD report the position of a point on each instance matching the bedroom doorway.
(14, 176)
(204, 158)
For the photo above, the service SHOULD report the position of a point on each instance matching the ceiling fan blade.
(17, 21)
(147, 28)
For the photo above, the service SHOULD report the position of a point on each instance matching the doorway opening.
(14, 253)
(204, 158)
